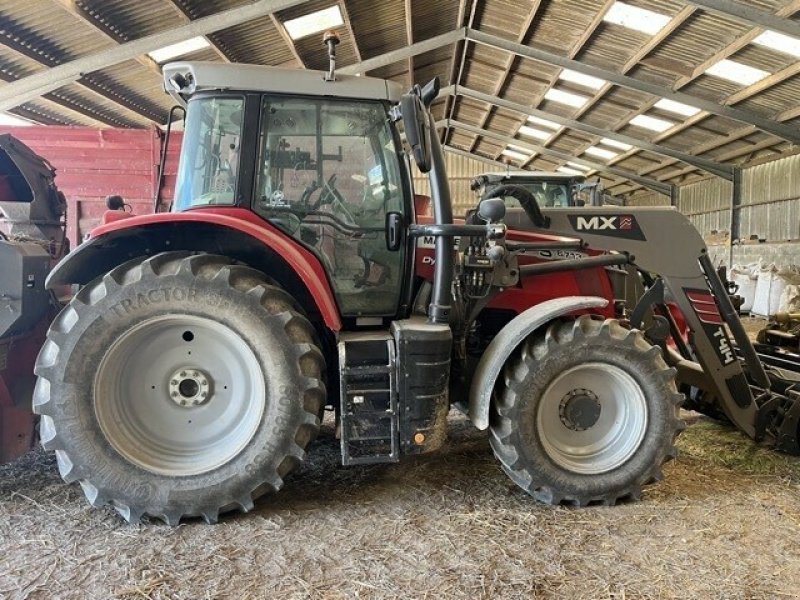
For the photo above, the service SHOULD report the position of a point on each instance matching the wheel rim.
(179, 395)
(592, 418)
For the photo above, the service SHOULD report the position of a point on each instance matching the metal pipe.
(451, 230)
(439, 310)
(533, 247)
(574, 264)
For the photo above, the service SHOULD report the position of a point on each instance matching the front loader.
(680, 302)
(190, 372)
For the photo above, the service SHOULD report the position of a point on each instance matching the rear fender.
(509, 338)
(235, 233)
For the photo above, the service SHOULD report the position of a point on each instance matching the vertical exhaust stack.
(331, 39)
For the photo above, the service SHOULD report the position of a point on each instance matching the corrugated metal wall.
(649, 198)
(707, 204)
(460, 172)
(770, 202)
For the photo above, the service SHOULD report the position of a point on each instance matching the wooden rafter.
(735, 98)
(574, 51)
(140, 114)
(349, 26)
(457, 51)
(449, 113)
(675, 22)
(288, 41)
(512, 60)
(179, 8)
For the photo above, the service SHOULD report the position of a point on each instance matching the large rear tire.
(586, 413)
(179, 386)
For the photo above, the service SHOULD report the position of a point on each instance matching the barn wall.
(92, 163)
(460, 172)
(770, 213)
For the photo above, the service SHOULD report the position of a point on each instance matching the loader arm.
(664, 243)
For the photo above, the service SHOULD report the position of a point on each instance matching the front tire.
(586, 413)
(179, 386)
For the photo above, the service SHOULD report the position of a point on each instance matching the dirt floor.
(725, 523)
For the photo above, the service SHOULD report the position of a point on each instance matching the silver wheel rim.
(179, 395)
(592, 418)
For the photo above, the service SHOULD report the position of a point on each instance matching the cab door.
(328, 175)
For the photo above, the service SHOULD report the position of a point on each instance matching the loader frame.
(669, 253)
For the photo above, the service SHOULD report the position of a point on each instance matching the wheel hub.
(592, 418)
(579, 409)
(189, 387)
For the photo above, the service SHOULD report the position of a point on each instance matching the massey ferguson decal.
(705, 307)
(619, 226)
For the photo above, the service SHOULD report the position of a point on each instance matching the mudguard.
(233, 232)
(511, 336)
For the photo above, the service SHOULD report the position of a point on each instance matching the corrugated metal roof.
(37, 35)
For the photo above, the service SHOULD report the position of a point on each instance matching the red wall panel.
(91, 164)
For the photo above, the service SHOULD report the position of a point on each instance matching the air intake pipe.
(439, 309)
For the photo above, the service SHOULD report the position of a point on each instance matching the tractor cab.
(551, 190)
(320, 160)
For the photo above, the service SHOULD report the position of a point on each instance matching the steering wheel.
(326, 190)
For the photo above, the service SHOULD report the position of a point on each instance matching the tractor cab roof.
(183, 79)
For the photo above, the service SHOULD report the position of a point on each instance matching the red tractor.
(191, 370)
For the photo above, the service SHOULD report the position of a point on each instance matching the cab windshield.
(207, 173)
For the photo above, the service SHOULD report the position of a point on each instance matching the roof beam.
(89, 83)
(409, 38)
(497, 163)
(78, 10)
(654, 184)
(783, 131)
(654, 42)
(733, 154)
(348, 24)
(749, 14)
(394, 56)
(721, 170)
(574, 51)
(739, 96)
(33, 86)
(459, 50)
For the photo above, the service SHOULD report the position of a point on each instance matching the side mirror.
(418, 130)
(394, 231)
(492, 210)
(430, 91)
